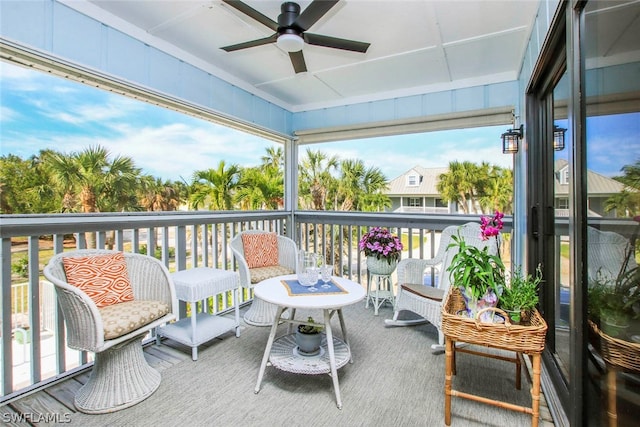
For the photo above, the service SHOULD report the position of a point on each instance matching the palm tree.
(373, 199)
(274, 159)
(158, 195)
(498, 190)
(214, 188)
(102, 184)
(461, 184)
(64, 170)
(627, 202)
(450, 188)
(93, 176)
(315, 178)
(260, 188)
(360, 188)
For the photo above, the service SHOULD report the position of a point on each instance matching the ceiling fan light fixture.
(290, 42)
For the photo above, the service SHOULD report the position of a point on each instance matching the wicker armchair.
(261, 313)
(427, 301)
(607, 254)
(121, 377)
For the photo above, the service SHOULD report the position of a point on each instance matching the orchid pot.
(309, 337)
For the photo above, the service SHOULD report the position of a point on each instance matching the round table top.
(272, 290)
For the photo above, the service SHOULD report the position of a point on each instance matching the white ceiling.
(417, 46)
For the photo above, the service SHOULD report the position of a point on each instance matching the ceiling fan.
(290, 30)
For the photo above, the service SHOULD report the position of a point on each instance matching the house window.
(415, 202)
(564, 176)
(441, 204)
(414, 180)
(562, 203)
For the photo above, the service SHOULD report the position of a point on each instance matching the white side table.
(383, 291)
(195, 285)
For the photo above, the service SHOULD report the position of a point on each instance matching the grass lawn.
(415, 241)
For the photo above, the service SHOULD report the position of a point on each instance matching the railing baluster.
(34, 308)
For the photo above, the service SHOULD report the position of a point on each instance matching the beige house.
(599, 189)
(415, 191)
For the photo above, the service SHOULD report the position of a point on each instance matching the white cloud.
(8, 114)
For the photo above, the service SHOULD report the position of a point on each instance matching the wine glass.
(325, 275)
(312, 278)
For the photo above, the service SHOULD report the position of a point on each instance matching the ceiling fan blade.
(252, 43)
(313, 12)
(297, 60)
(336, 43)
(252, 13)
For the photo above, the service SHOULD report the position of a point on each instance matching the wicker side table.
(520, 339)
(195, 285)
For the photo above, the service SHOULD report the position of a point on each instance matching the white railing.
(181, 240)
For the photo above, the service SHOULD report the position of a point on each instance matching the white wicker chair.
(606, 254)
(426, 301)
(261, 313)
(121, 376)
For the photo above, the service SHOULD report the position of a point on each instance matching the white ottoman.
(195, 285)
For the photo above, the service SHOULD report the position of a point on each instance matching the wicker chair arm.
(85, 330)
(151, 280)
(287, 252)
(243, 267)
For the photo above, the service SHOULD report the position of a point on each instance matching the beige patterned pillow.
(120, 319)
(260, 249)
(103, 278)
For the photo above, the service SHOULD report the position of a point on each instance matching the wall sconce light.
(558, 138)
(511, 140)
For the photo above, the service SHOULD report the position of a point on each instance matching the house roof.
(597, 184)
(427, 181)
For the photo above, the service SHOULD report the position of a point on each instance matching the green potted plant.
(612, 303)
(309, 337)
(478, 272)
(521, 295)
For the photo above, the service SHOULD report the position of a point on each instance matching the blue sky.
(40, 111)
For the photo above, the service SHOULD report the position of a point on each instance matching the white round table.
(274, 291)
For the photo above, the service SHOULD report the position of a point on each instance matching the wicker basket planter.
(381, 266)
(525, 337)
(615, 351)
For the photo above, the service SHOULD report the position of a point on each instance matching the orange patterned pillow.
(260, 249)
(103, 278)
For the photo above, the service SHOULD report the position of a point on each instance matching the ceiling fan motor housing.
(290, 12)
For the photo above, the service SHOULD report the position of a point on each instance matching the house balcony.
(40, 373)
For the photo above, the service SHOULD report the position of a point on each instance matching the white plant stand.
(382, 292)
(195, 285)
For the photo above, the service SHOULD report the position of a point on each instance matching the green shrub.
(21, 267)
(158, 252)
